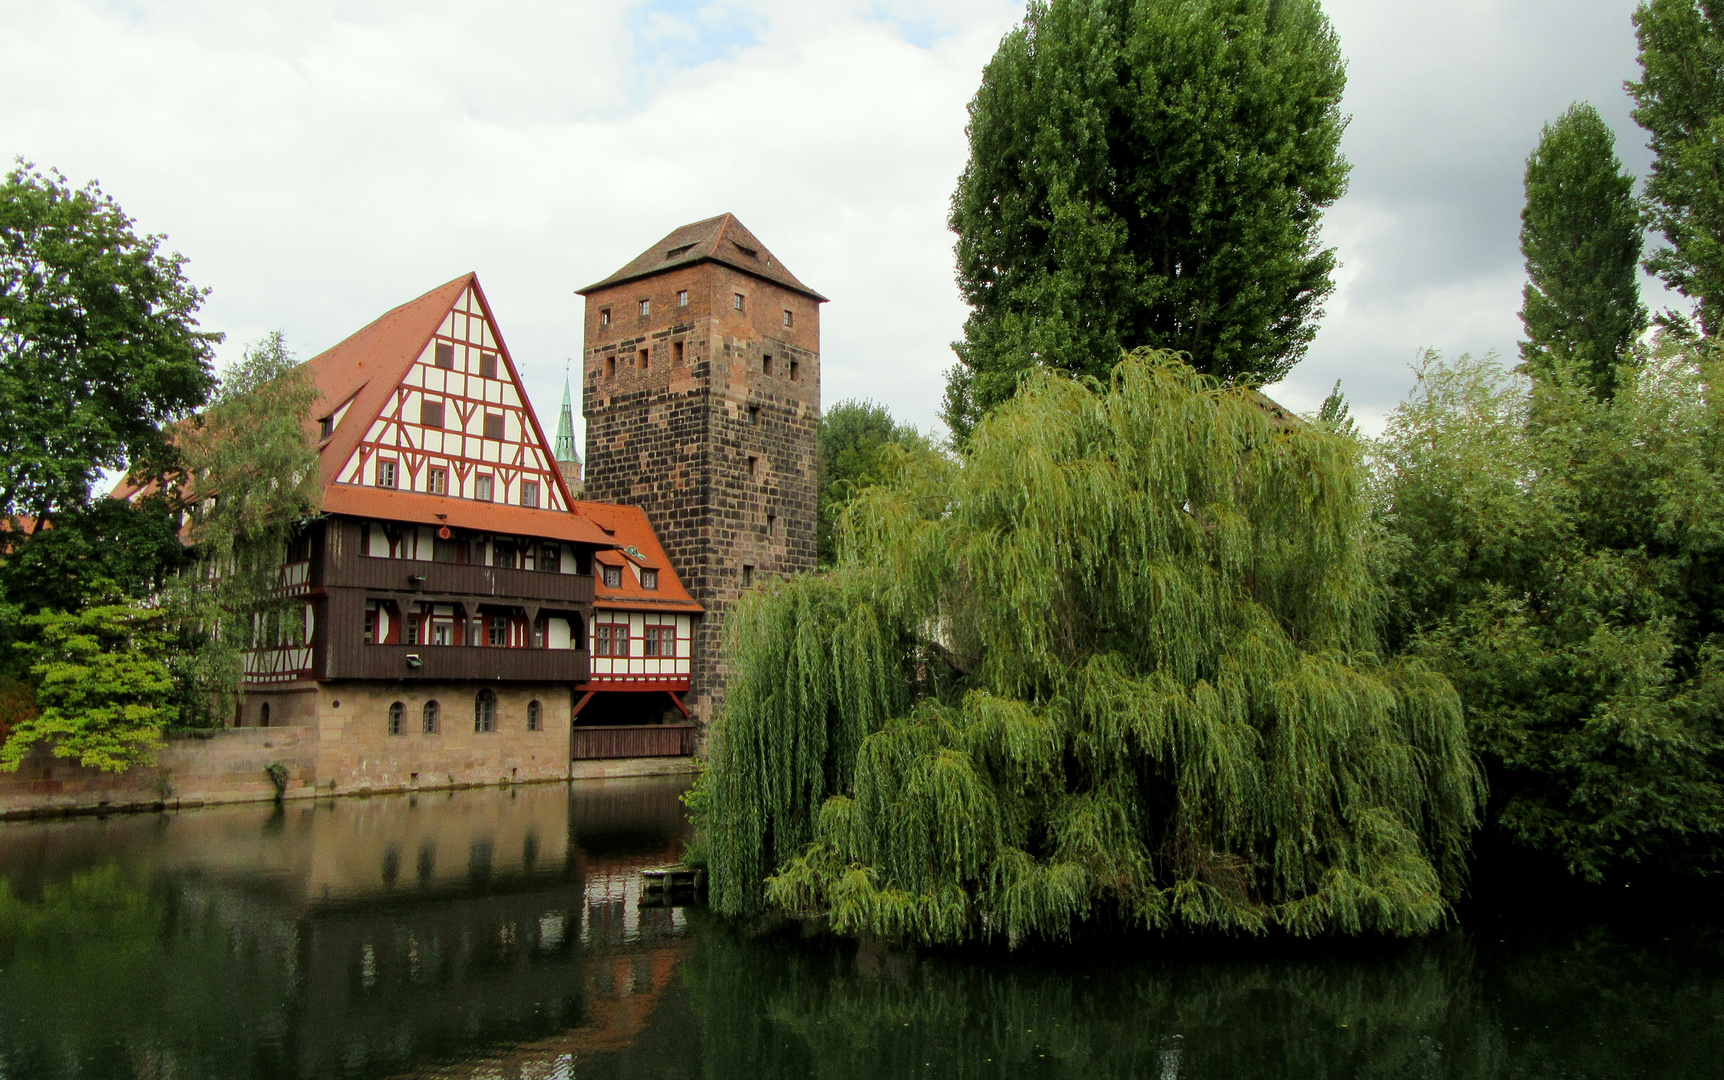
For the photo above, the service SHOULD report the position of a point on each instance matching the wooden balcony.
(646, 740)
(455, 663)
(457, 579)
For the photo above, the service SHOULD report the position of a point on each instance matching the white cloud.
(321, 162)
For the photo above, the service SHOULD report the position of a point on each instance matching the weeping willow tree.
(251, 481)
(1119, 664)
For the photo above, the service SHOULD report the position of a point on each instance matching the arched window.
(263, 715)
(532, 716)
(430, 717)
(396, 710)
(485, 712)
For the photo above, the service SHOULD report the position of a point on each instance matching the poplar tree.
(1680, 102)
(1147, 174)
(1581, 235)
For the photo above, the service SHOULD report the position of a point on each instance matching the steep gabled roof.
(721, 239)
(628, 527)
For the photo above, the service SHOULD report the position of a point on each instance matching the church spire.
(563, 446)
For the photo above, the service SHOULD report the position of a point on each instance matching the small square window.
(482, 488)
(529, 493)
(437, 481)
(431, 414)
(766, 364)
(682, 298)
(649, 579)
(604, 316)
(736, 301)
(789, 319)
(641, 357)
(445, 355)
(385, 474)
(747, 575)
(613, 577)
(493, 425)
(646, 308)
(488, 365)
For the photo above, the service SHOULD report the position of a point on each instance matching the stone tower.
(701, 391)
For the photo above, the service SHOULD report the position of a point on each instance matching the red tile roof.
(390, 505)
(629, 527)
(721, 239)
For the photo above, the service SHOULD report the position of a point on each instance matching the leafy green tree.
(1120, 662)
(103, 687)
(99, 345)
(1581, 235)
(1147, 174)
(854, 437)
(1560, 558)
(1680, 102)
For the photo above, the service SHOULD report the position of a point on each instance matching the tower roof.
(721, 239)
(563, 446)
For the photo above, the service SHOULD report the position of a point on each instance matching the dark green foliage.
(1149, 174)
(1120, 662)
(853, 436)
(99, 346)
(1581, 236)
(102, 686)
(1680, 102)
(1561, 560)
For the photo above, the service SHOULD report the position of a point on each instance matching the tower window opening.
(676, 353)
(682, 298)
(793, 370)
(643, 356)
(789, 317)
(771, 524)
(747, 575)
(263, 715)
(753, 464)
(766, 363)
(753, 415)
(610, 367)
(736, 301)
(646, 308)
(604, 316)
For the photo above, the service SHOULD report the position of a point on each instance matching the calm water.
(499, 936)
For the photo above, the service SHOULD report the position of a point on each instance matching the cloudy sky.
(320, 161)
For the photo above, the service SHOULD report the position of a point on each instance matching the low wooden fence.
(644, 740)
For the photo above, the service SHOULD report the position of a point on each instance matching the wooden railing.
(456, 662)
(646, 740)
(457, 579)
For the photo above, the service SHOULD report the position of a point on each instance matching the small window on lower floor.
(534, 716)
(428, 717)
(396, 711)
(263, 715)
(485, 711)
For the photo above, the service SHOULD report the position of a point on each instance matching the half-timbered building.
(454, 591)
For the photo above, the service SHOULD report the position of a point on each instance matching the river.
(499, 935)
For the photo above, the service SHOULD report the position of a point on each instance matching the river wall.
(235, 765)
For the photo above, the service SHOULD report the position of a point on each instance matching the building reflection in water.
(345, 937)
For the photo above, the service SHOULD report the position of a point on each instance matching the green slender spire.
(563, 446)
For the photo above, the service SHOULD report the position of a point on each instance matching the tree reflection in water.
(499, 936)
